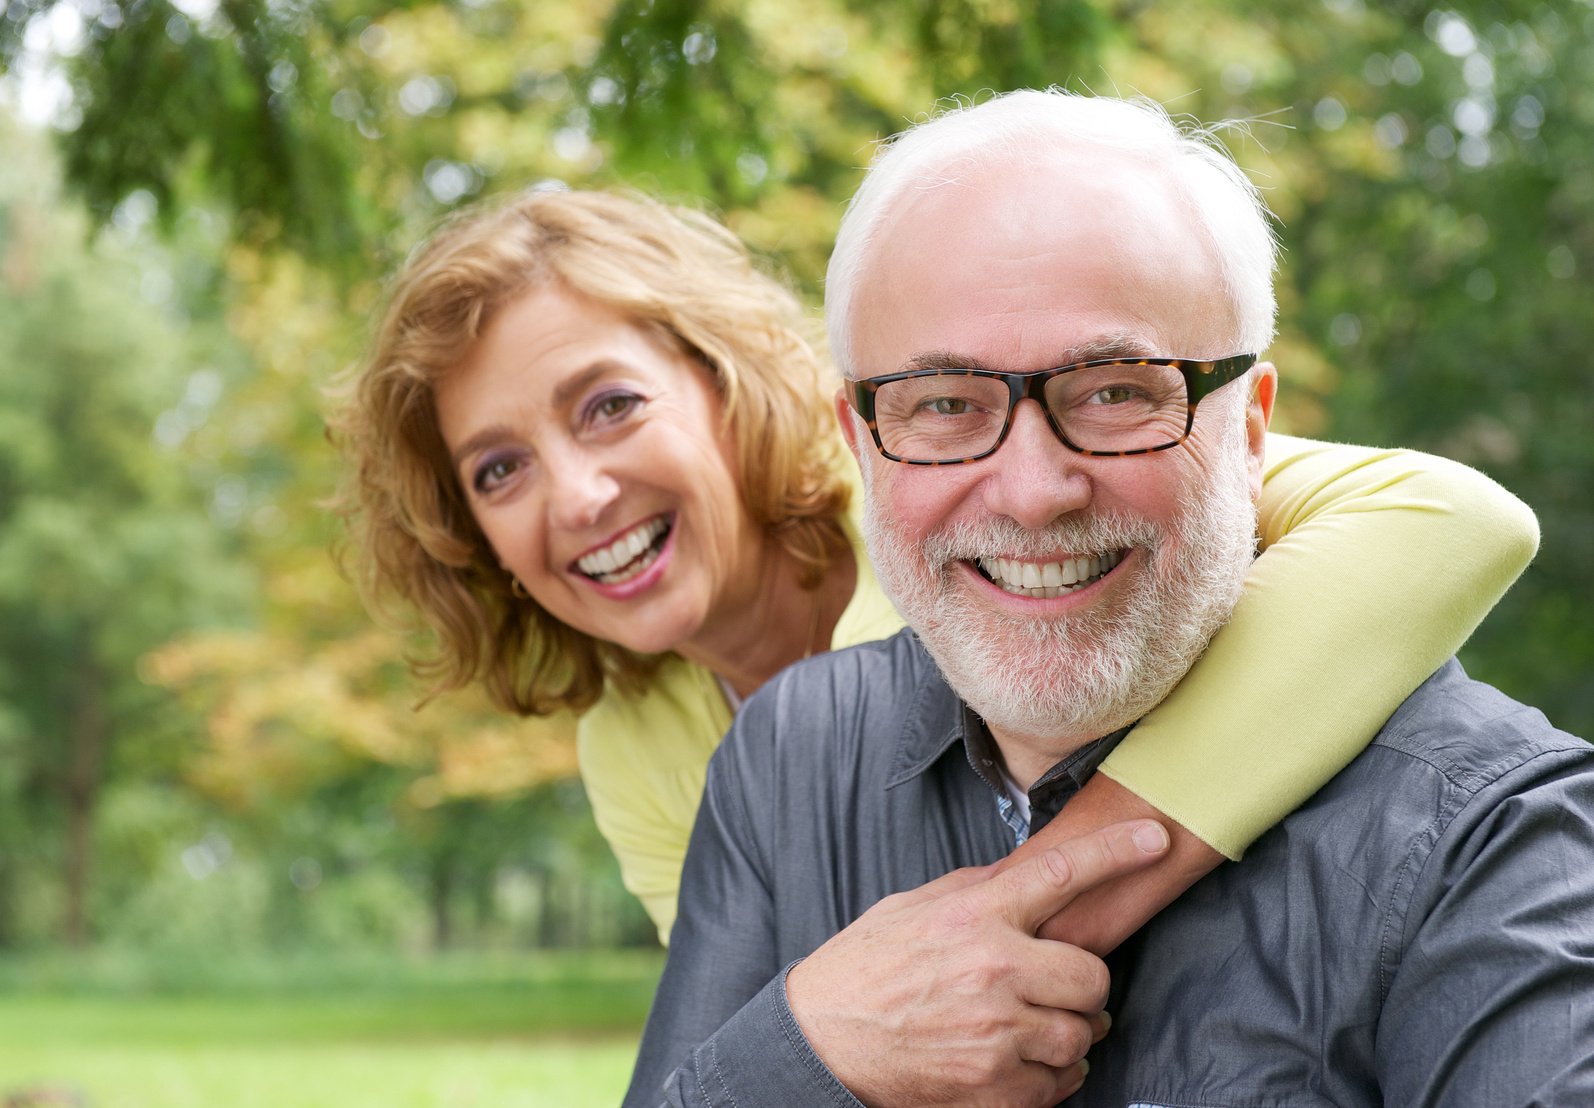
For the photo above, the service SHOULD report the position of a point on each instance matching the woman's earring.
(516, 589)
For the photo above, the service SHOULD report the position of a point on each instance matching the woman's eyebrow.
(564, 394)
(481, 440)
(566, 391)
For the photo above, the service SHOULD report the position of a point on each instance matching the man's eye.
(948, 406)
(1115, 394)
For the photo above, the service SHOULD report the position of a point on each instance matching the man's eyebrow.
(942, 359)
(1109, 346)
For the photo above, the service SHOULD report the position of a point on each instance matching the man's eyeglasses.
(1109, 407)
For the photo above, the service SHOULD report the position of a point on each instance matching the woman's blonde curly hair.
(676, 269)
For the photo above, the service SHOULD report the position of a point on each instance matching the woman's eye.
(610, 407)
(493, 473)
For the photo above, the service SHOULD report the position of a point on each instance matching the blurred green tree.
(1429, 164)
(1436, 184)
(108, 547)
(331, 127)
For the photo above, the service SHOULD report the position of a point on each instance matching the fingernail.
(1106, 1021)
(1151, 837)
(1084, 1067)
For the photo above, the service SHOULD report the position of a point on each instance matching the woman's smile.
(640, 574)
(619, 561)
(592, 453)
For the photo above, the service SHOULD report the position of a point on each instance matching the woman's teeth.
(627, 555)
(1044, 580)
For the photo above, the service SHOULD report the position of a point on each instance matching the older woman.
(593, 447)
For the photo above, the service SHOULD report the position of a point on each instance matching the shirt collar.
(937, 719)
(1072, 772)
(932, 723)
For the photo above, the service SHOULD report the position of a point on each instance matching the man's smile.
(1045, 580)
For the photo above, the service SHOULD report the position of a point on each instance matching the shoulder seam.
(1417, 859)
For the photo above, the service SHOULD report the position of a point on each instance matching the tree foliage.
(1437, 188)
(107, 549)
(161, 477)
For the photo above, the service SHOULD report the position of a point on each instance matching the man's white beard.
(1081, 676)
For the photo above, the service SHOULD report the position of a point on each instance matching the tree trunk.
(88, 734)
(545, 909)
(8, 918)
(442, 891)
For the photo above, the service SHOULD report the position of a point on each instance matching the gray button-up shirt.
(1421, 932)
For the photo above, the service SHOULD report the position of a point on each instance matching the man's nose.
(581, 490)
(1035, 478)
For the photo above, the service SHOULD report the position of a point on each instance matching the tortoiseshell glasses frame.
(1200, 379)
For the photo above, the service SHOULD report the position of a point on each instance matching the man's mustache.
(1097, 534)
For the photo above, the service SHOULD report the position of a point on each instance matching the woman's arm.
(1377, 565)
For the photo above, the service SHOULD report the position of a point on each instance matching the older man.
(1049, 309)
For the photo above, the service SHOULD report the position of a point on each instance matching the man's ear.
(851, 425)
(1258, 414)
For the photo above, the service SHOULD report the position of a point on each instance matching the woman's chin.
(659, 639)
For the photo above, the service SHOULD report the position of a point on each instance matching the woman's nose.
(582, 490)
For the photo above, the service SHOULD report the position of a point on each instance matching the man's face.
(1020, 271)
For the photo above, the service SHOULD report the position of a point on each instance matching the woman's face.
(591, 454)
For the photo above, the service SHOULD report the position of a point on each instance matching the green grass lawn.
(552, 1029)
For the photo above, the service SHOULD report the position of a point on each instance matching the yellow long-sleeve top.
(1376, 566)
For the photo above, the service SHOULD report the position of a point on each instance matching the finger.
(1042, 1086)
(1051, 1085)
(1100, 1024)
(1028, 894)
(1051, 1037)
(1059, 976)
(1101, 803)
(1071, 1079)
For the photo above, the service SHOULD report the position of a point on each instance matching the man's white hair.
(1027, 125)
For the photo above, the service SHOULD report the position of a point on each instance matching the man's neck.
(1027, 758)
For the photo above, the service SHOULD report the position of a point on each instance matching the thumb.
(1029, 894)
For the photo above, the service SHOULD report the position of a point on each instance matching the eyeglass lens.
(1117, 407)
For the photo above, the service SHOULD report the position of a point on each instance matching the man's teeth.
(1048, 579)
(619, 554)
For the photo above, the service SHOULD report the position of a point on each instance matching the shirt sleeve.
(720, 1032)
(1491, 970)
(1377, 565)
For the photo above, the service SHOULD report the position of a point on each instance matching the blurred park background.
(237, 867)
